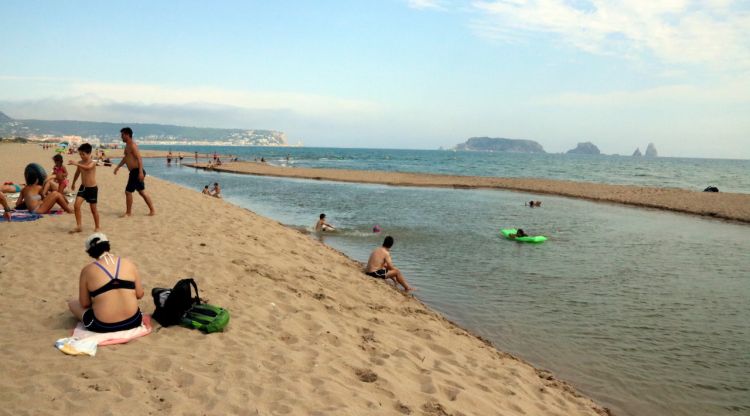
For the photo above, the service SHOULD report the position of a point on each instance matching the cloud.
(709, 32)
(426, 4)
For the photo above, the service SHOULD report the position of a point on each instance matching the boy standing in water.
(88, 191)
(137, 174)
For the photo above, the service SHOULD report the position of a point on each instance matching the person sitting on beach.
(322, 225)
(6, 207)
(206, 191)
(31, 199)
(58, 181)
(519, 233)
(11, 188)
(380, 265)
(108, 292)
(262, 160)
(216, 190)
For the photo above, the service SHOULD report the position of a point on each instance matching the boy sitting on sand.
(88, 191)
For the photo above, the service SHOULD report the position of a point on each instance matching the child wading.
(88, 191)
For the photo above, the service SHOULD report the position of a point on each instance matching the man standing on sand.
(133, 159)
(380, 265)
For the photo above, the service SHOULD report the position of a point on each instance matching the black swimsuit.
(89, 319)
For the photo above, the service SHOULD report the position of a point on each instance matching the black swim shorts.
(134, 184)
(89, 194)
(379, 274)
(92, 324)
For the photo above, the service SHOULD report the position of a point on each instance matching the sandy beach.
(310, 334)
(729, 206)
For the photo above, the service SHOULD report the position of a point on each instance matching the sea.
(645, 311)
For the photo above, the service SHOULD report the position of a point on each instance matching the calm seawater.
(695, 174)
(646, 311)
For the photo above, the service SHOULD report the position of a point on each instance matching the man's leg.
(128, 204)
(396, 276)
(150, 204)
(77, 208)
(95, 213)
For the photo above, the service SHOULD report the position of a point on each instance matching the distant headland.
(489, 144)
(146, 133)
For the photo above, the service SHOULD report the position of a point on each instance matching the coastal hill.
(489, 144)
(586, 148)
(105, 132)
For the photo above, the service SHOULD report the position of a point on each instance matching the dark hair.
(388, 242)
(98, 248)
(322, 216)
(57, 158)
(205, 187)
(520, 232)
(216, 183)
(85, 148)
(127, 130)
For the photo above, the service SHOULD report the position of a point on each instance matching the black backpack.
(173, 304)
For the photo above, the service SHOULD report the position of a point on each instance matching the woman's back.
(113, 292)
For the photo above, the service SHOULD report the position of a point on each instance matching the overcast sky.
(394, 73)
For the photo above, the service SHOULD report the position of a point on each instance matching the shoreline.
(300, 341)
(726, 206)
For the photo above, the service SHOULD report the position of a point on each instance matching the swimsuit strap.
(117, 272)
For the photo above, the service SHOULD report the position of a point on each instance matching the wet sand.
(729, 206)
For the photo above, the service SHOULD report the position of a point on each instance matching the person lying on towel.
(109, 290)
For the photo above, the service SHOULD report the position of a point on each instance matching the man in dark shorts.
(137, 174)
(381, 266)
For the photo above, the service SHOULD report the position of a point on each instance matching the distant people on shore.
(322, 225)
(109, 290)
(262, 160)
(179, 158)
(216, 190)
(380, 265)
(196, 157)
(58, 181)
(88, 191)
(169, 158)
(132, 158)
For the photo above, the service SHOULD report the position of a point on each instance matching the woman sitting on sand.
(31, 199)
(109, 290)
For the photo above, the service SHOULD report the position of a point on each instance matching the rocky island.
(489, 144)
(586, 148)
(651, 151)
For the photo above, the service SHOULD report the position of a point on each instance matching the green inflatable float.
(537, 239)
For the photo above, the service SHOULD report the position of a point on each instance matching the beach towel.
(85, 342)
(22, 215)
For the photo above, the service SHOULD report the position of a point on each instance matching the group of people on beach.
(214, 192)
(39, 196)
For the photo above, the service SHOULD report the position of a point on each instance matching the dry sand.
(723, 205)
(309, 335)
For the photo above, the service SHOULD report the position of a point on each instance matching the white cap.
(93, 239)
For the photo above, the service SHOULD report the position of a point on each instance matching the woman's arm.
(138, 285)
(83, 291)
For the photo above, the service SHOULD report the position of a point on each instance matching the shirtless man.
(381, 266)
(137, 174)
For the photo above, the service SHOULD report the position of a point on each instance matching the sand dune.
(730, 206)
(310, 334)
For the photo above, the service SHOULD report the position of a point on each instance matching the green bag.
(208, 318)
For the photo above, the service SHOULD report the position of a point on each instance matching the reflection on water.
(645, 311)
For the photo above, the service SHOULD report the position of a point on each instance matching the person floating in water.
(322, 225)
(380, 265)
(519, 233)
(533, 204)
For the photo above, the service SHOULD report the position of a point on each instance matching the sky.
(394, 73)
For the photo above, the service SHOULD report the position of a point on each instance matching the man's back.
(377, 259)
